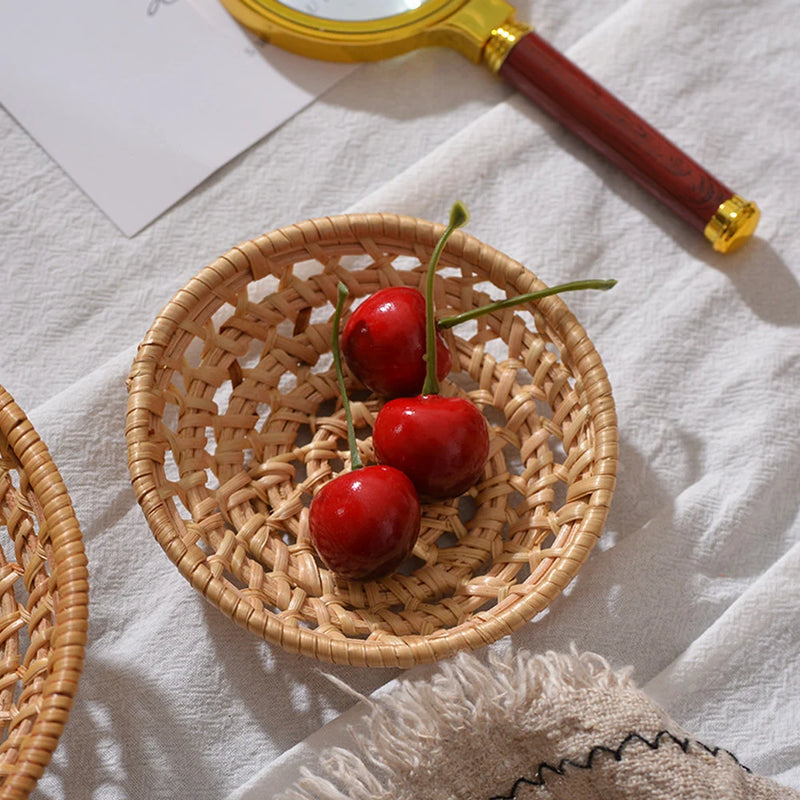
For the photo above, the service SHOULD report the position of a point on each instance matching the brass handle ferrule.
(500, 42)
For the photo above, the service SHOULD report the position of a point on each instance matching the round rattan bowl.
(234, 422)
(43, 603)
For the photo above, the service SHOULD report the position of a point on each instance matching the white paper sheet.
(140, 101)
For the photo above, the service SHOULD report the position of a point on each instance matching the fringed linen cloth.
(559, 726)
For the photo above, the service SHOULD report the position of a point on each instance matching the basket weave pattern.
(43, 603)
(234, 421)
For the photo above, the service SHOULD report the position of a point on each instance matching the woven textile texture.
(559, 726)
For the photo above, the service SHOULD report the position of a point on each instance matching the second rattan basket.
(233, 423)
(43, 603)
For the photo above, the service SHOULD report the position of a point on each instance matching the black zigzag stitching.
(539, 778)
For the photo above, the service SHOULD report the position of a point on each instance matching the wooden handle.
(601, 120)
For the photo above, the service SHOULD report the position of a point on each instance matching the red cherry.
(383, 343)
(441, 443)
(365, 523)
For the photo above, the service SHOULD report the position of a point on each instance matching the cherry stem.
(355, 458)
(459, 216)
(572, 286)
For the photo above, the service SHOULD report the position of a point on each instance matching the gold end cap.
(733, 223)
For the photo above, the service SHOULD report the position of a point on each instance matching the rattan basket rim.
(69, 569)
(271, 253)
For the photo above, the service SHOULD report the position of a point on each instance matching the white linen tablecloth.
(695, 583)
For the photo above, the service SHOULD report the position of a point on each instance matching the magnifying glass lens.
(353, 10)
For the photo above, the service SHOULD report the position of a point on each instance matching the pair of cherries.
(365, 523)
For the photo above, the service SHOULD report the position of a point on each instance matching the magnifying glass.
(486, 32)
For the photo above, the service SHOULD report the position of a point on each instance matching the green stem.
(572, 286)
(459, 216)
(355, 458)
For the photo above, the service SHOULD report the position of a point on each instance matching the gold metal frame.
(464, 25)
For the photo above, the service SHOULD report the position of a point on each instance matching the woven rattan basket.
(233, 422)
(43, 603)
